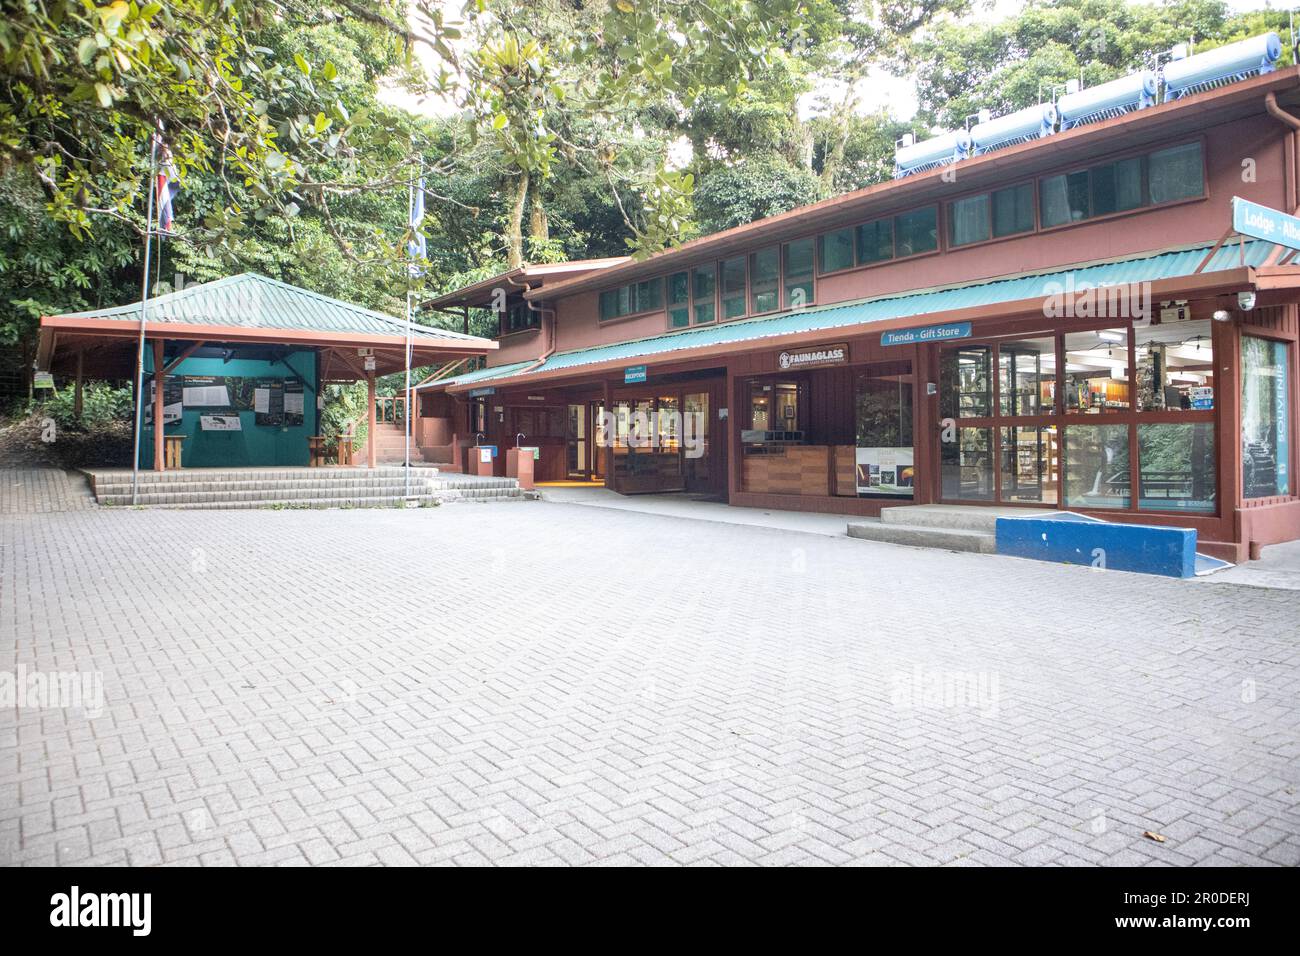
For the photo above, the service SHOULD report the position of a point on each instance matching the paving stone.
(362, 687)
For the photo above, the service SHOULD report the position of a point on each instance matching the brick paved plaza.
(536, 682)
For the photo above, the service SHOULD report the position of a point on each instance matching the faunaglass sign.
(813, 357)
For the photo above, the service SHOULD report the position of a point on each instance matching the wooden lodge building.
(1063, 318)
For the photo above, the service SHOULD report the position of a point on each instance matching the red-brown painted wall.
(1259, 138)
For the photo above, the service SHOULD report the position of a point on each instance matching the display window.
(1265, 417)
(1174, 364)
(1096, 372)
(1176, 466)
(883, 426)
(1027, 377)
(1097, 466)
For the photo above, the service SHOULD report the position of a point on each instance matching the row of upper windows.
(781, 277)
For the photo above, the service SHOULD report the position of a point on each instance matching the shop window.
(1030, 464)
(835, 250)
(883, 408)
(765, 279)
(798, 273)
(966, 382)
(968, 220)
(875, 241)
(774, 407)
(705, 281)
(733, 287)
(679, 300)
(1175, 367)
(1027, 377)
(916, 232)
(1096, 372)
(1176, 173)
(1265, 417)
(966, 465)
(1096, 466)
(1176, 467)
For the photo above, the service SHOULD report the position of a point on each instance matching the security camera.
(1246, 300)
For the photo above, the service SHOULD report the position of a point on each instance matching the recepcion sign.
(1261, 222)
(928, 333)
(633, 374)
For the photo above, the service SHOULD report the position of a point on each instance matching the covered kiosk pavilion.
(236, 365)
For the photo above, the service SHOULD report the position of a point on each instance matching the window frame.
(1147, 206)
(661, 307)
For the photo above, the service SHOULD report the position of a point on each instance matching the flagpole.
(406, 408)
(144, 309)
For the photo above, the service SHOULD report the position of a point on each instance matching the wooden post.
(159, 377)
(370, 434)
(76, 395)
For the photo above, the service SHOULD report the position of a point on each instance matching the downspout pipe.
(1290, 120)
(548, 328)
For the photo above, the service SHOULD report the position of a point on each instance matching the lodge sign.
(813, 357)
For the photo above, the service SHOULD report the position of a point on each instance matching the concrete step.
(300, 488)
(954, 517)
(925, 536)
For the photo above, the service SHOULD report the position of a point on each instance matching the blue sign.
(929, 333)
(633, 373)
(1261, 222)
(481, 392)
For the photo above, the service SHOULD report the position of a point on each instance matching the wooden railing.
(390, 408)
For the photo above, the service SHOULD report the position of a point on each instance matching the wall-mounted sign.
(1261, 222)
(537, 452)
(369, 361)
(814, 357)
(928, 333)
(633, 374)
(43, 380)
(220, 423)
(537, 398)
(482, 392)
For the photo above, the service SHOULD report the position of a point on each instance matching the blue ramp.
(1069, 538)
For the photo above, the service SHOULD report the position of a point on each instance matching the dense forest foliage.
(562, 129)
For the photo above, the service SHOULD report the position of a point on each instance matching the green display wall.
(253, 445)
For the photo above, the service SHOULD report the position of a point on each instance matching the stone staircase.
(950, 527)
(296, 487)
(390, 444)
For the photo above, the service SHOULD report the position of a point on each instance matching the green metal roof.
(922, 303)
(253, 301)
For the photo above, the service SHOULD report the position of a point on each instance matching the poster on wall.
(268, 403)
(206, 391)
(885, 471)
(293, 401)
(173, 401)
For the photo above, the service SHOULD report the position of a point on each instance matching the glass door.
(998, 438)
(579, 448)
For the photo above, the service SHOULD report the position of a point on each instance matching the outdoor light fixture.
(1222, 315)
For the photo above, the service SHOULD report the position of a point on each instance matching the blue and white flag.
(415, 247)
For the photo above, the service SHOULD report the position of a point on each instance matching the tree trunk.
(517, 186)
(539, 224)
